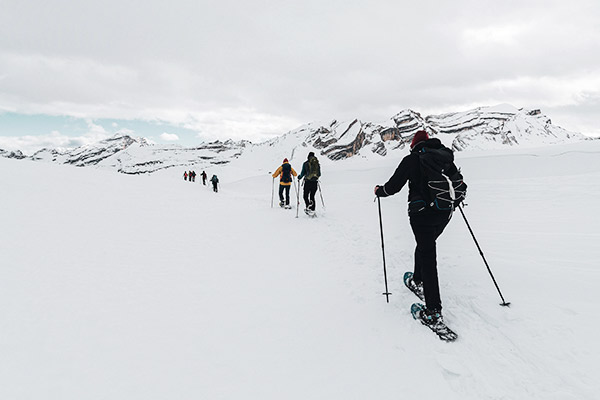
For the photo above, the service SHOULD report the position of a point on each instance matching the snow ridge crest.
(481, 128)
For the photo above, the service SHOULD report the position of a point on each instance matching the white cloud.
(495, 35)
(169, 137)
(126, 131)
(252, 69)
(29, 144)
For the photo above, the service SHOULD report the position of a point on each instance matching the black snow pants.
(285, 188)
(427, 226)
(310, 188)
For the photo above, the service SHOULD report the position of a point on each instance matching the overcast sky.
(188, 71)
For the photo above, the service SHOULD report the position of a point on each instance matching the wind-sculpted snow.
(482, 128)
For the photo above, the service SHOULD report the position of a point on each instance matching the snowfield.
(149, 287)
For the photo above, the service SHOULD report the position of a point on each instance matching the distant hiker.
(204, 178)
(285, 172)
(215, 181)
(185, 175)
(311, 171)
(427, 222)
(193, 176)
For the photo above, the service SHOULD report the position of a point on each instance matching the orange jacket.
(279, 172)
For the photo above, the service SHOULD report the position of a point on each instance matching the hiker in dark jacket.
(311, 170)
(215, 182)
(204, 178)
(285, 172)
(427, 223)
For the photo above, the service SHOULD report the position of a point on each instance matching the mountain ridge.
(481, 128)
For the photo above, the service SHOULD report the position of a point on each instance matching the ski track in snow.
(151, 287)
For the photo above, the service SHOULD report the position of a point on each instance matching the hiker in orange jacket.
(285, 172)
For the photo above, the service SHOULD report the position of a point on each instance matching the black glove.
(379, 192)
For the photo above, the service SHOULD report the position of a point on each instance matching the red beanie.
(285, 160)
(419, 137)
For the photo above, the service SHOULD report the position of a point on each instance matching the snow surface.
(148, 287)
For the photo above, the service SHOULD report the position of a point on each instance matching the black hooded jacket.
(409, 171)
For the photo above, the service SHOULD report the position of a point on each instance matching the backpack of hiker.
(286, 172)
(314, 169)
(442, 187)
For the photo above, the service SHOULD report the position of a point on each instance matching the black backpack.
(286, 173)
(443, 187)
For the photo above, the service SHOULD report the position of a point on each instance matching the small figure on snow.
(285, 172)
(185, 176)
(427, 223)
(215, 182)
(311, 171)
(203, 178)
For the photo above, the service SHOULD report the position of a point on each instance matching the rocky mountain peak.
(479, 128)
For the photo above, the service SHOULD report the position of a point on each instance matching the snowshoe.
(416, 288)
(310, 213)
(433, 320)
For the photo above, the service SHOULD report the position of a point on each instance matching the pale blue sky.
(19, 131)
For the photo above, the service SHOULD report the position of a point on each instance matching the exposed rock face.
(480, 128)
(12, 154)
(89, 154)
(136, 156)
(502, 125)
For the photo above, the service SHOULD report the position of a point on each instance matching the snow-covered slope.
(92, 154)
(12, 154)
(481, 128)
(135, 155)
(149, 287)
(493, 127)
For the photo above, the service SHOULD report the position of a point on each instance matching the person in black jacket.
(215, 182)
(311, 172)
(427, 223)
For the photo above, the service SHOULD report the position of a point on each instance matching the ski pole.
(504, 303)
(297, 197)
(387, 293)
(272, 191)
(302, 188)
(321, 194)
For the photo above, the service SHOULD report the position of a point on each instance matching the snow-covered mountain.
(12, 154)
(482, 128)
(136, 155)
